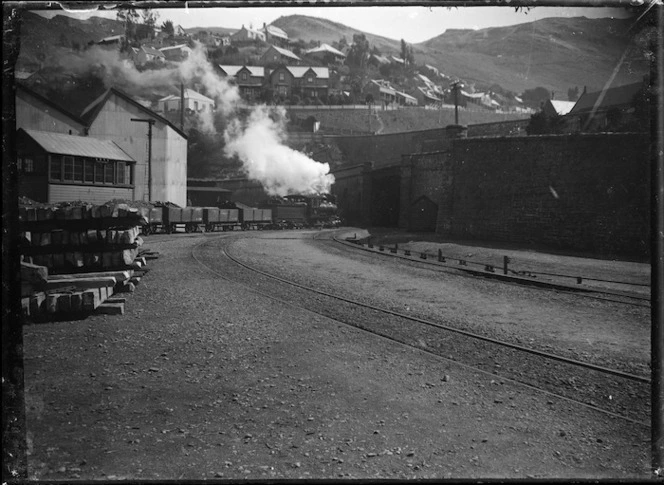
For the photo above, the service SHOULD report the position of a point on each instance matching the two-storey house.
(304, 81)
(250, 80)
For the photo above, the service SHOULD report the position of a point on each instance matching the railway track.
(611, 391)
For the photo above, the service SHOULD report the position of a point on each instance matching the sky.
(414, 24)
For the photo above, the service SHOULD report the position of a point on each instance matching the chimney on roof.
(585, 89)
(553, 95)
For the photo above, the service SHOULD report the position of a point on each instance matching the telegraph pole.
(455, 88)
(150, 122)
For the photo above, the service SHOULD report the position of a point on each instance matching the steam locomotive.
(290, 212)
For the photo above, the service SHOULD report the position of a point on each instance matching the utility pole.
(150, 122)
(455, 87)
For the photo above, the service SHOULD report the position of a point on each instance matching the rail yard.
(314, 354)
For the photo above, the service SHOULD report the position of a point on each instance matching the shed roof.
(189, 94)
(272, 30)
(78, 146)
(325, 48)
(608, 98)
(562, 107)
(285, 52)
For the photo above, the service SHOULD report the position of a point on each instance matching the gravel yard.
(204, 378)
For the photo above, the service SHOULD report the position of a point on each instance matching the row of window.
(76, 169)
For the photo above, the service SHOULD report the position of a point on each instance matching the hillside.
(555, 53)
(42, 38)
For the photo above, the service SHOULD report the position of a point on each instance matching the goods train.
(289, 212)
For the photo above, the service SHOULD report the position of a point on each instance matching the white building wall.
(114, 123)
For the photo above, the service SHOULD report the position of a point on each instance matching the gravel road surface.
(204, 378)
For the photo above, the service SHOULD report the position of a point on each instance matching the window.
(109, 176)
(68, 168)
(89, 171)
(99, 172)
(78, 169)
(310, 79)
(281, 76)
(56, 167)
(26, 165)
(120, 168)
(244, 76)
(195, 105)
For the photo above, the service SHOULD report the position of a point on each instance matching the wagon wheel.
(146, 230)
(187, 228)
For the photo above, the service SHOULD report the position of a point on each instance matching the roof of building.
(49, 103)
(434, 69)
(90, 113)
(405, 95)
(612, 97)
(422, 77)
(180, 46)
(152, 51)
(285, 52)
(300, 71)
(381, 59)
(562, 107)
(189, 94)
(397, 59)
(272, 30)
(383, 86)
(111, 38)
(232, 70)
(427, 93)
(325, 48)
(78, 146)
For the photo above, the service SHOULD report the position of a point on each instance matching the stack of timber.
(74, 257)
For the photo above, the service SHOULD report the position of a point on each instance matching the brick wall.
(582, 193)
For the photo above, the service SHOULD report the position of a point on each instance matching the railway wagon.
(218, 218)
(256, 218)
(188, 218)
(155, 218)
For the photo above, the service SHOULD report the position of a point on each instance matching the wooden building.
(57, 167)
(250, 80)
(34, 111)
(304, 81)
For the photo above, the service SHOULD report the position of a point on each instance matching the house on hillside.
(35, 112)
(325, 53)
(146, 54)
(247, 36)
(377, 61)
(605, 109)
(250, 80)
(276, 55)
(275, 36)
(381, 91)
(426, 97)
(405, 99)
(178, 31)
(56, 167)
(397, 60)
(432, 69)
(193, 101)
(303, 81)
(176, 53)
(116, 117)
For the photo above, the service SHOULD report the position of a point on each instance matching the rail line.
(590, 293)
(636, 383)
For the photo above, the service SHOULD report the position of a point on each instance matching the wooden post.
(505, 261)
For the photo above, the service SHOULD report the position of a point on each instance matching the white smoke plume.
(258, 142)
(283, 171)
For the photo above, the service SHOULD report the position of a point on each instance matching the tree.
(543, 124)
(129, 18)
(404, 50)
(357, 55)
(145, 30)
(167, 28)
(535, 97)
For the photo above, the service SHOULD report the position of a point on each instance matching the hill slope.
(555, 53)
